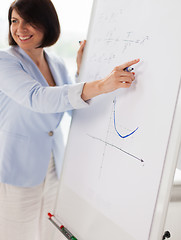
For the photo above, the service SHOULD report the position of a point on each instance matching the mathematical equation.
(110, 47)
(129, 40)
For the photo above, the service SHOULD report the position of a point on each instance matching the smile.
(24, 38)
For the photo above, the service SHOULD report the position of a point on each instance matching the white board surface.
(120, 148)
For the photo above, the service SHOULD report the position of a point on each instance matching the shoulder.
(8, 55)
(15, 59)
(11, 59)
(5, 54)
(8, 61)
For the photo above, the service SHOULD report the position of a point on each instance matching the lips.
(25, 38)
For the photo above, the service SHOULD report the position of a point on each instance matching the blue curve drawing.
(125, 136)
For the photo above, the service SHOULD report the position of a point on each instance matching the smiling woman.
(24, 34)
(23, 17)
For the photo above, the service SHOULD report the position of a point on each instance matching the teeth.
(24, 38)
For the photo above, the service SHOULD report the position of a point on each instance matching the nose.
(22, 26)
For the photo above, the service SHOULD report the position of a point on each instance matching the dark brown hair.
(40, 13)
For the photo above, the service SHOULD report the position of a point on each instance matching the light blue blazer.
(30, 116)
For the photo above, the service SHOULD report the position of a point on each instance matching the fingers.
(80, 54)
(82, 45)
(129, 75)
(81, 50)
(125, 82)
(82, 42)
(125, 85)
(128, 64)
(123, 76)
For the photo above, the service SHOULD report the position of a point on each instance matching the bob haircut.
(39, 13)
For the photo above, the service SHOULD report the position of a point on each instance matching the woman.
(35, 91)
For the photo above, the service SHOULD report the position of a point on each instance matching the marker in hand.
(128, 69)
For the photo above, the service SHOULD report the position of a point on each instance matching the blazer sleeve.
(17, 84)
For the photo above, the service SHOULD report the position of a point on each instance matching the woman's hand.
(118, 78)
(79, 55)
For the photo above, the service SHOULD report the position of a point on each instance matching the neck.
(37, 56)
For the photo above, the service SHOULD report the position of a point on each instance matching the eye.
(14, 20)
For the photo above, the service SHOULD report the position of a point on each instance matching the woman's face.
(27, 36)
